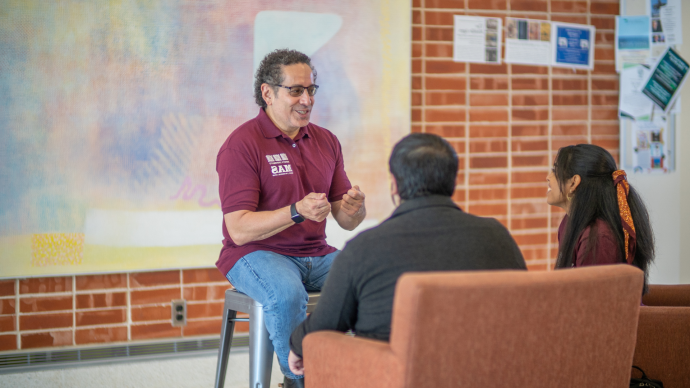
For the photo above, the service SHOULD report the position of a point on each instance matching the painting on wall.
(112, 114)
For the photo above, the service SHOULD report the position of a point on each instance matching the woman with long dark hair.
(606, 221)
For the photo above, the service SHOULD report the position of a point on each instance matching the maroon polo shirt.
(262, 169)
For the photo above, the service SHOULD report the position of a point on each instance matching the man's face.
(290, 113)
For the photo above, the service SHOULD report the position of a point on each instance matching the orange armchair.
(568, 328)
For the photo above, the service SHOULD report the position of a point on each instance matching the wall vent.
(29, 361)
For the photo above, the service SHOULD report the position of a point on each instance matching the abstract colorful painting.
(112, 114)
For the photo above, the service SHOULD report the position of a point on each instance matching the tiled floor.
(189, 372)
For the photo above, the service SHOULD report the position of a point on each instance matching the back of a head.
(423, 165)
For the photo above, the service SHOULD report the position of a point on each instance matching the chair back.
(667, 295)
(565, 328)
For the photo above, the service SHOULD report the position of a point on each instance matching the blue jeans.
(280, 283)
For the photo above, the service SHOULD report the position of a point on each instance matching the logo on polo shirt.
(278, 164)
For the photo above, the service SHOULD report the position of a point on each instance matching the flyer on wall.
(664, 82)
(631, 102)
(650, 147)
(477, 39)
(665, 24)
(633, 40)
(528, 41)
(573, 45)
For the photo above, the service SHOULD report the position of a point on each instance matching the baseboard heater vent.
(24, 362)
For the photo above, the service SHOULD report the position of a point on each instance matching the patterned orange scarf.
(622, 189)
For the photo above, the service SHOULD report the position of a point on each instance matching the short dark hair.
(423, 165)
(270, 70)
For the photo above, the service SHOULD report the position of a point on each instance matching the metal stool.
(260, 346)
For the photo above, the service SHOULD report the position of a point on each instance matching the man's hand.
(353, 201)
(314, 206)
(296, 364)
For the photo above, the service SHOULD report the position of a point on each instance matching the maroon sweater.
(606, 250)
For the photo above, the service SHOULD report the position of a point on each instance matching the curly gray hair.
(270, 70)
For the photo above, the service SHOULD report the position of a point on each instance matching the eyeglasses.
(296, 91)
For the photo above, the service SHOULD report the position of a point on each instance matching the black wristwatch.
(296, 217)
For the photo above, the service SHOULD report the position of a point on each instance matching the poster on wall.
(633, 40)
(632, 103)
(573, 45)
(666, 24)
(665, 80)
(528, 41)
(112, 117)
(477, 39)
(650, 147)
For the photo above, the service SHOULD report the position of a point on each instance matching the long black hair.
(596, 198)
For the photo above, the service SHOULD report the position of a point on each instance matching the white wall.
(667, 196)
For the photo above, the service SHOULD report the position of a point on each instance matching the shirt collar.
(270, 131)
(424, 202)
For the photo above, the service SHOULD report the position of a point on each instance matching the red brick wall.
(507, 121)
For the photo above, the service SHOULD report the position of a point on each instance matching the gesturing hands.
(314, 206)
(353, 201)
(295, 363)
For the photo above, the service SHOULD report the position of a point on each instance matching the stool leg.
(260, 349)
(226, 331)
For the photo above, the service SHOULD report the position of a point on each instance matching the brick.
(446, 83)
(155, 296)
(488, 162)
(8, 342)
(528, 208)
(557, 142)
(47, 339)
(459, 195)
(570, 99)
(488, 114)
(204, 327)
(604, 113)
(483, 146)
(529, 130)
(7, 306)
(487, 4)
(40, 304)
(569, 84)
(569, 113)
(438, 18)
(530, 99)
(416, 17)
(521, 145)
(488, 210)
(535, 114)
(530, 84)
(416, 33)
(417, 50)
(445, 98)
(416, 3)
(569, 129)
(155, 330)
(416, 82)
(488, 178)
(605, 53)
(438, 50)
(487, 99)
(569, 6)
(529, 176)
(535, 253)
(444, 67)
(610, 145)
(569, 19)
(447, 114)
(439, 34)
(416, 99)
(478, 68)
(447, 130)
(489, 83)
(7, 287)
(99, 282)
(530, 160)
(492, 194)
(529, 69)
(415, 128)
(604, 8)
(205, 292)
(604, 22)
(605, 37)
(531, 238)
(45, 321)
(158, 278)
(100, 335)
(478, 130)
(45, 285)
(151, 313)
(605, 99)
(605, 129)
(604, 67)
(108, 299)
(529, 223)
(103, 317)
(529, 5)
(459, 147)
(556, 71)
(416, 115)
(416, 66)
(205, 310)
(537, 266)
(7, 323)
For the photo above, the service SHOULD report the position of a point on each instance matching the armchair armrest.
(333, 359)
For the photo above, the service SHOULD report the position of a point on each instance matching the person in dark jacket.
(426, 232)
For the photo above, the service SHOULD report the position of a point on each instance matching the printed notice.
(667, 77)
(665, 24)
(573, 45)
(633, 40)
(631, 102)
(477, 39)
(650, 147)
(528, 41)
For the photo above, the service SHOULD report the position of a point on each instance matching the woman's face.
(554, 196)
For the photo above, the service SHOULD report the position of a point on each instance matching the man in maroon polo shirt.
(280, 176)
